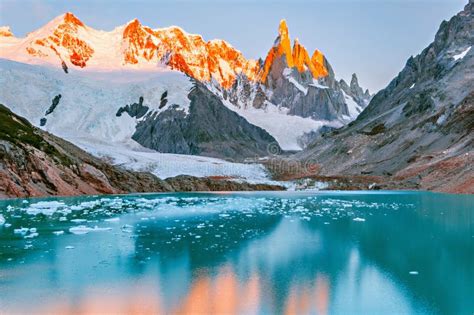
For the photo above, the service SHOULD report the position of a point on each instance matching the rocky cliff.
(419, 130)
(209, 128)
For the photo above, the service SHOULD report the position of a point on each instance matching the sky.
(372, 38)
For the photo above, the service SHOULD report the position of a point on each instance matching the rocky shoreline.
(34, 163)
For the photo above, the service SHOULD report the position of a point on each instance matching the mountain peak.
(5, 31)
(132, 28)
(283, 28)
(60, 38)
(354, 80)
(70, 18)
(133, 23)
(297, 57)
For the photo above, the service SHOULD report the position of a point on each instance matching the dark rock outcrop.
(54, 104)
(64, 66)
(209, 128)
(137, 110)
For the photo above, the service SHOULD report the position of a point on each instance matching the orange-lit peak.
(283, 43)
(300, 56)
(5, 31)
(133, 27)
(297, 57)
(70, 18)
(283, 28)
(317, 60)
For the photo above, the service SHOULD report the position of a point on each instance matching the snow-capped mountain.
(290, 95)
(67, 40)
(419, 130)
(299, 85)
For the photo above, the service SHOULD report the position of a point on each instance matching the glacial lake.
(243, 253)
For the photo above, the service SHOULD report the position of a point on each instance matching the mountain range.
(290, 86)
(418, 132)
(135, 94)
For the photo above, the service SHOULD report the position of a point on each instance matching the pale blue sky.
(373, 38)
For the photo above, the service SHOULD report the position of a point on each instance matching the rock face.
(137, 110)
(305, 86)
(209, 128)
(420, 128)
(35, 163)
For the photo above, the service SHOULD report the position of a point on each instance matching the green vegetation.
(19, 131)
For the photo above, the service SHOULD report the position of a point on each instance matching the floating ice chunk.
(112, 220)
(62, 219)
(22, 231)
(58, 232)
(414, 272)
(358, 219)
(2, 219)
(82, 229)
(31, 235)
(45, 207)
(69, 247)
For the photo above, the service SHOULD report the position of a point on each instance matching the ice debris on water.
(82, 229)
(69, 247)
(21, 230)
(2, 219)
(112, 220)
(58, 232)
(45, 207)
(358, 219)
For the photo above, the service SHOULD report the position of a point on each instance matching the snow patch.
(353, 108)
(90, 100)
(165, 165)
(462, 54)
(286, 129)
(298, 85)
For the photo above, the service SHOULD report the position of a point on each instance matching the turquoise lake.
(239, 253)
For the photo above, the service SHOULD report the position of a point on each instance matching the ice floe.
(82, 229)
